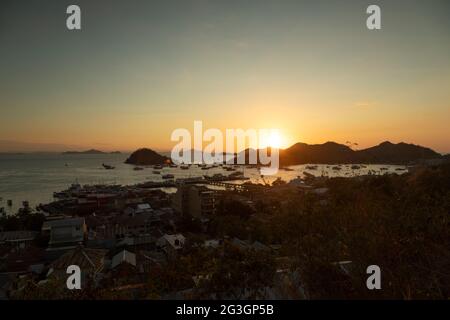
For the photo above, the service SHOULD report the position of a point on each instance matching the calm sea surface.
(34, 177)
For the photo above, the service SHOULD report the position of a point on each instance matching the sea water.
(34, 177)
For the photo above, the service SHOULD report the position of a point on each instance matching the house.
(143, 207)
(17, 239)
(136, 225)
(247, 245)
(171, 244)
(65, 233)
(138, 209)
(96, 224)
(123, 257)
(90, 261)
(19, 261)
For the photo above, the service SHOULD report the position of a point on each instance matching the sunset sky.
(140, 69)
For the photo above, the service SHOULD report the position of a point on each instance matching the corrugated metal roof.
(123, 256)
(85, 258)
(63, 223)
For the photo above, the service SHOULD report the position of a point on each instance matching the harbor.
(37, 178)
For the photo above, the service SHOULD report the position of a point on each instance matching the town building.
(171, 244)
(193, 200)
(65, 233)
(17, 239)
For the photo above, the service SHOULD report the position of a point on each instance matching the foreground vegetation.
(401, 223)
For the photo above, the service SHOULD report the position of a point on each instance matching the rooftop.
(62, 223)
(123, 256)
(85, 258)
(10, 236)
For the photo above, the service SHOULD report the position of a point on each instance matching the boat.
(138, 168)
(383, 169)
(355, 167)
(156, 172)
(336, 168)
(236, 175)
(168, 176)
(311, 167)
(400, 169)
(190, 180)
(217, 177)
(184, 167)
(74, 187)
(61, 195)
(107, 167)
(287, 169)
(158, 166)
(173, 165)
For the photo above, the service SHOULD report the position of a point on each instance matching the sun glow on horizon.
(274, 139)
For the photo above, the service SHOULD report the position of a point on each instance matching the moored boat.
(107, 167)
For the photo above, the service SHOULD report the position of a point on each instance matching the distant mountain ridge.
(335, 153)
(91, 151)
(303, 153)
(11, 146)
(332, 152)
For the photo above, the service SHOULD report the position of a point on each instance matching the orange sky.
(133, 74)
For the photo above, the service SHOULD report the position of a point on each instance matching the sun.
(274, 140)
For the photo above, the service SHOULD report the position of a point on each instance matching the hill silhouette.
(388, 152)
(334, 153)
(146, 156)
